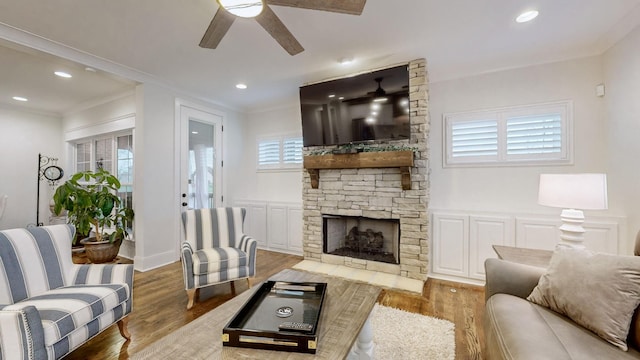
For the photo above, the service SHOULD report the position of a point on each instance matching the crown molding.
(37, 42)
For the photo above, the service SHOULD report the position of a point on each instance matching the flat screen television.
(364, 108)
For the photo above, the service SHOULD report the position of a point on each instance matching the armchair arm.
(22, 334)
(510, 278)
(187, 265)
(250, 246)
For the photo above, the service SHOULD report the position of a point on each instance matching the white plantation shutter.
(283, 152)
(292, 150)
(475, 138)
(268, 152)
(520, 135)
(538, 134)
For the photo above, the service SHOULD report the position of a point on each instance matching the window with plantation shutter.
(476, 138)
(536, 134)
(279, 152)
(292, 150)
(268, 153)
(522, 135)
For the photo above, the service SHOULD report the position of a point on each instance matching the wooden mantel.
(377, 159)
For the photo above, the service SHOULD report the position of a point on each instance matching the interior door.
(201, 159)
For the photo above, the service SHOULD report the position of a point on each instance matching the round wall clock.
(53, 173)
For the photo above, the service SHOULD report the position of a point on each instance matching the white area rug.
(402, 335)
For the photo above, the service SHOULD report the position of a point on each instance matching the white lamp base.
(571, 231)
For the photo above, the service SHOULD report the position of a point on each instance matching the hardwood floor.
(159, 308)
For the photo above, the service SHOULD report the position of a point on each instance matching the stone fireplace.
(395, 194)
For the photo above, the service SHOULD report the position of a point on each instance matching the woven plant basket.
(99, 252)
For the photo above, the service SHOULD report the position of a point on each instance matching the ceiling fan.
(261, 10)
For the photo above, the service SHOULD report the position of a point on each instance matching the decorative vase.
(100, 252)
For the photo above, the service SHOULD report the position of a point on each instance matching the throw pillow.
(598, 291)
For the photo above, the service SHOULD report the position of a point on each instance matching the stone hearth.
(377, 193)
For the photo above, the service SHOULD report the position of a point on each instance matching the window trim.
(501, 115)
(281, 165)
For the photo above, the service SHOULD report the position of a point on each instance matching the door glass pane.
(202, 158)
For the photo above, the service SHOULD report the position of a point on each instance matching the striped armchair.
(50, 306)
(215, 249)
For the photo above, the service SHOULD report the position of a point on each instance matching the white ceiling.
(159, 38)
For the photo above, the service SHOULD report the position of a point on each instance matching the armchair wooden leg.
(191, 294)
(233, 287)
(249, 282)
(122, 326)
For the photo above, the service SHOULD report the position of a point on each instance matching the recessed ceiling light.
(62, 74)
(241, 86)
(90, 69)
(194, 132)
(332, 95)
(527, 16)
(341, 98)
(20, 98)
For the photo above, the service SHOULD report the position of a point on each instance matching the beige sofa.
(518, 329)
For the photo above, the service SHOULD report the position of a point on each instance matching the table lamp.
(573, 193)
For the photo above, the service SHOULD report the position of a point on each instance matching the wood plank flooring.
(159, 308)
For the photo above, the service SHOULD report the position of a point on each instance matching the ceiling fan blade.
(270, 22)
(353, 7)
(218, 27)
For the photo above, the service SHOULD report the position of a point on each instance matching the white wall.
(622, 99)
(278, 186)
(101, 112)
(514, 189)
(157, 199)
(22, 136)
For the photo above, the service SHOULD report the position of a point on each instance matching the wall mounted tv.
(363, 108)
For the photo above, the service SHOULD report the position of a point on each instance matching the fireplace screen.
(362, 238)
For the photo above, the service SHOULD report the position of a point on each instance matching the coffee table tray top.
(280, 315)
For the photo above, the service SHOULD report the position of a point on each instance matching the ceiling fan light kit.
(261, 11)
(242, 8)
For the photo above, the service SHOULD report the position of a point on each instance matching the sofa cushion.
(597, 291)
(518, 329)
(214, 260)
(66, 309)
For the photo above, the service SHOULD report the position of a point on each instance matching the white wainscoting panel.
(543, 233)
(486, 231)
(276, 226)
(294, 219)
(537, 233)
(255, 222)
(601, 236)
(462, 241)
(451, 250)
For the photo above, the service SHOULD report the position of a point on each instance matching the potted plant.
(95, 209)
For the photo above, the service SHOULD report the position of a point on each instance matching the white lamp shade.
(573, 191)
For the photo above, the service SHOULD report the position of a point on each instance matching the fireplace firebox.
(362, 238)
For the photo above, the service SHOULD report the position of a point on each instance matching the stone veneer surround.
(377, 193)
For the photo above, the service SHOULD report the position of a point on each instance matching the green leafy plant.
(94, 205)
(359, 147)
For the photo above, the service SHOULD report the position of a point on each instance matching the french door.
(200, 158)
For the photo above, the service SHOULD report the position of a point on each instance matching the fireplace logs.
(368, 240)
